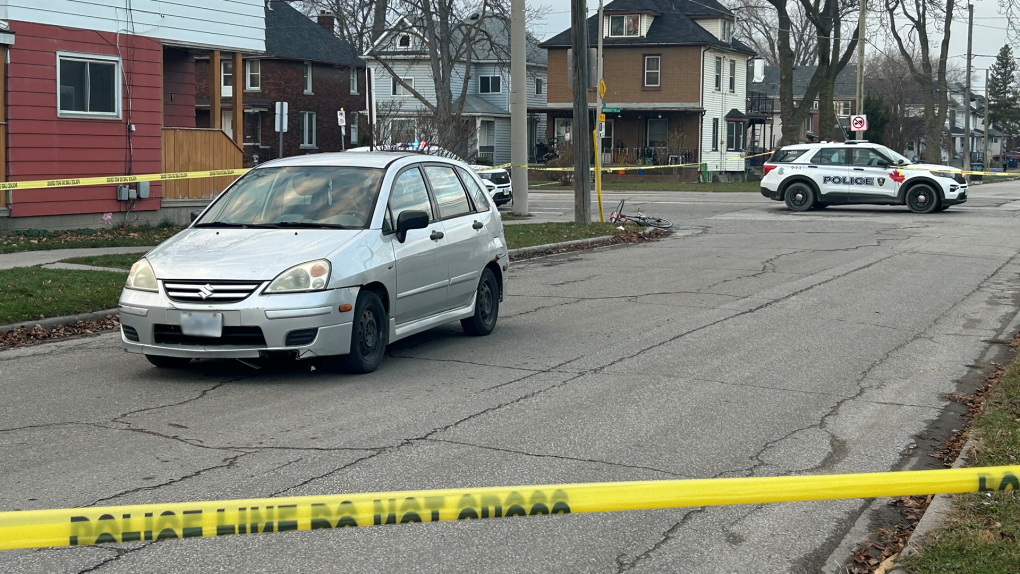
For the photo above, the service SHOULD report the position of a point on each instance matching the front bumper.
(150, 315)
(502, 195)
(959, 197)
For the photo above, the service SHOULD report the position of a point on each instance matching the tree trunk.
(826, 129)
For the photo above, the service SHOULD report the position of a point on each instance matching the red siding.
(43, 146)
(178, 89)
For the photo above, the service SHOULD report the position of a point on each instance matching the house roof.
(492, 43)
(476, 106)
(292, 35)
(845, 87)
(736, 114)
(673, 25)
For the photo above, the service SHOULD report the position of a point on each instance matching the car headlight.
(311, 276)
(141, 277)
(945, 174)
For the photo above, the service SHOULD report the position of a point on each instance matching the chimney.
(327, 20)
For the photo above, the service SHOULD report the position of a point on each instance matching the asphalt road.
(755, 342)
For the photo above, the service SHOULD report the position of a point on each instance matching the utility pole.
(966, 98)
(580, 131)
(860, 62)
(518, 108)
(600, 124)
(988, 126)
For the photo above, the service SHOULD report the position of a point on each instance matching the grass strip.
(114, 260)
(28, 293)
(530, 234)
(718, 186)
(982, 532)
(121, 236)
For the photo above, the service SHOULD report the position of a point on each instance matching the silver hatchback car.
(320, 256)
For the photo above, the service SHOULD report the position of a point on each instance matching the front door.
(870, 174)
(464, 250)
(422, 278)
(829, 171)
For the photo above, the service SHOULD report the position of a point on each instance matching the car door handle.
(477, 225)
(858, 169)
(813, 166)
(436, 235)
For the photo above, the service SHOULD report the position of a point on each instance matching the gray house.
(487, 99)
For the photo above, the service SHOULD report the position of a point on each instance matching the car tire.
(921, 198)
(369, 334)
(799, 196)
(163, 362)
(486, 306)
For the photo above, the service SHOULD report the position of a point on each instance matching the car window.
(477, 193)
(451, 198)
(410, 194)
(868, 157)
(830, 156)
(787, 155)
(500, 177)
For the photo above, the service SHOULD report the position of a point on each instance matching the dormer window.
(404, 41)
(626, 25)
(726, 31)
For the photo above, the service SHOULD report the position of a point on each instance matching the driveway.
(757, 342)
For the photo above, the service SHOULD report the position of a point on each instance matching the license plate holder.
(209, 325)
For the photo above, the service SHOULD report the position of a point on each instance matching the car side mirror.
(408, 220)
(195, 214)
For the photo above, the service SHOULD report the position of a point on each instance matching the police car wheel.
(800, 196)
(921, 198)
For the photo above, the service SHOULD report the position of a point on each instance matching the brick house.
(675, 73)
(305, 65)
(844, 102)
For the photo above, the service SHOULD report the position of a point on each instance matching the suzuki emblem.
(206, 291)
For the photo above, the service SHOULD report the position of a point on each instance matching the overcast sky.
(989, 33)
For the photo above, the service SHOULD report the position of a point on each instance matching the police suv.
(816, 175)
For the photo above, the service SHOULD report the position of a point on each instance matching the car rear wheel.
(368, 335)
(168, 362)
(800, 196)
(921, 198)
(486, 306)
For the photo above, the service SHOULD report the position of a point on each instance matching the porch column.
(237, 98)
(214, 89)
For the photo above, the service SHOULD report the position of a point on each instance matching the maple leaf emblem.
(897, 176)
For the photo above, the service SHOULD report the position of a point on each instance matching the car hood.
(928, 167)
(242, 254)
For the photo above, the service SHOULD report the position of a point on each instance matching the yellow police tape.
(80, 181)
(81, 526)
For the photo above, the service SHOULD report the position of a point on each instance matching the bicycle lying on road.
(639, 218)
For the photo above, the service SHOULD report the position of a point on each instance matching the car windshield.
(298, 196)
(897, 158)
(497, 177)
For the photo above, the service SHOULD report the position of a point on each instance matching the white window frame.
(715, 134)
(733, 76)
(625, 17)
(539, 86)
(567, 128)
(657, 71)
(814, 105)
(726, 31)
(352, 127)
(306, 141)
(117, 92)
(840, 106)
(398, 90)
(400, 39)
(248, 74)
(738, 136)
(308, 78)
(354, 81)
(718, 73)
(225, 90)
(499, 80)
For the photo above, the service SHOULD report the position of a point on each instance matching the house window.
(252, 75)
(814, 105)
(353, 127)
(910, 146)
(402, 131)
(404, 41)
(733, 76)
(354, 81)
(226, 78)
(657, 130)
(89, 86)
(307, 129)
(842, 109)
(952, 118)
(252, 128)
(715, 134)
(400, 90)
(626, 25)
(562, 130)
(726, 31)
(718, 73)
(308, 78)
(808, 124)
(539, 86)
(734, 136)
(652, 71)
(489, 85)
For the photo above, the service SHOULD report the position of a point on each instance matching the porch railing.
(759, 103)
(649, 156)
(198, 149)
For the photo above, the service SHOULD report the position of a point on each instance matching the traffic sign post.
(281, 122)
(859, 123)
(341, 118)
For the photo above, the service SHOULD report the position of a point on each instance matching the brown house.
(305, 65)
(675, 84)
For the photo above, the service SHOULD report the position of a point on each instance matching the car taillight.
(769, 168)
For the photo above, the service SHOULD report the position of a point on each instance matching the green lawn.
(982, 534)
(672, 186)
(529, 234)
(115, 260)
(34, 293)
(129, 235)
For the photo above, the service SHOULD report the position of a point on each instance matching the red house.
(94, 89)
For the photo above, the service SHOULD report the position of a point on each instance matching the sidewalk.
(32, 258)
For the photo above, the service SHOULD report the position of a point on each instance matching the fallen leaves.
(26, 337)
(627, 237)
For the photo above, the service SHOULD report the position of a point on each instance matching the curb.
(543, 248)
(51, 322)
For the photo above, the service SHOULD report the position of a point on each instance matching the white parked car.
(498, 182)
(816, 175)
(317, 256)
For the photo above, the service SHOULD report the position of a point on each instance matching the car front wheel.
(800, 196)
(486, 306)
(921, 198)
(369, 334)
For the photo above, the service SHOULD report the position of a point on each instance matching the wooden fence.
(198, 149)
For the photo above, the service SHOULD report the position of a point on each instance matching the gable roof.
(845, 87)
(492, 43)
(673, 25)
(292, 35)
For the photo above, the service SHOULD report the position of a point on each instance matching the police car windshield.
(897, 158)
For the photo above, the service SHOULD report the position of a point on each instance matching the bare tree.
(827, 16)
(757, 22)
(357, 20)
(922, 19)
(889, 79)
